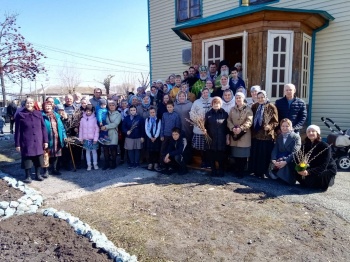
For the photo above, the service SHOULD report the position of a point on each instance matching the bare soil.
(8, 193)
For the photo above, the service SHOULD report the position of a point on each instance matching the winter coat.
(169, 121)
(142, 111)
(322, 169)
(234, 87)
(261, 134)
(113, 119)
(11, 109)
(200, 106)
(216, 126)
(176, 147)
(296, 112)
(88, 128)
(30, 132)
(243, 118)
(60, 128)
(138, 131)
(285, 150)
(161, 110)
(156, 99)
(183, 109)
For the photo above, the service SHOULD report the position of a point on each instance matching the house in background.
(305, 42)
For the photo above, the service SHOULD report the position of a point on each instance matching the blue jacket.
(138, 131)
(296, 112)
(234, 87)
(169, 121)
(61, 130)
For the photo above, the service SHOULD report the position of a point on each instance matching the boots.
(46, 173)
(28, 178)
(37, 174)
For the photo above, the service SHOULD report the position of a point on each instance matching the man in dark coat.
(11, 110)
(292, 108)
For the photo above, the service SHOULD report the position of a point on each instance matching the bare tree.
(107, 83)
(18, 58)
(70, 79)
(144, 82)
(128, 84)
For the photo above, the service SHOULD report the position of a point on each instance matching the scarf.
(146, 106)
(152, 126)
(259, 117)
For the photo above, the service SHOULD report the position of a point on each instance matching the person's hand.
(282, 164)
(162, 138)
(18, 149)
(76, 130)
(266, 128)
(153, 139)
(46, 145)
(142, 139)
(227, 141)
(103, 128)
(303, 173)
(128, 133)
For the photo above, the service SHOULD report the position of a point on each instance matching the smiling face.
(209, 84)
(29, 104)
(224, 80)
(285, 127)
(216, 105)
(88, 112)
(311, 134)
(289, 91)
(48, 107)
(69, 100)
(165, 99)
(205, 94)
(239, 100)
(182, 98)
(227, 96)
(261, 98)
(83, 103)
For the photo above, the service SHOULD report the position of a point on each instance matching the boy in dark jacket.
(174, 157)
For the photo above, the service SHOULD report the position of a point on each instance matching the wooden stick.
(71, 154)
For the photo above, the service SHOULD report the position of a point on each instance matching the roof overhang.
(314, 19)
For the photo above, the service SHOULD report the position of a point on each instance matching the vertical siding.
(331, 68)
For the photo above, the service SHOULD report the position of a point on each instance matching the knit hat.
(103, 101)
(314, 127)
(59, 107)
(255, 88)
(240, 94)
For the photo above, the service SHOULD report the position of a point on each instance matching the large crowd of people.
(207, 113)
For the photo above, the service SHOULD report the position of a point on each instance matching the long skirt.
(132, 143)
(260, 156)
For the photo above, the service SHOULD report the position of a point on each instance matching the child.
(170, 120)
(2, 124)
(88, 133)
(133, 127)
(174, 157)
(152, 128)
(101, 113)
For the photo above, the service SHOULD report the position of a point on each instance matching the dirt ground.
(188, 218)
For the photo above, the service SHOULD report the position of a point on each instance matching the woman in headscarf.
(200, 107)
(254, 95)
(30, 139)
(56, 135)
(183, 107)
(265, 121)
(321, 170)
(228, 100)
(162, 106)
(143, 109)
(286, 144)
(224, 85)
(239, 123)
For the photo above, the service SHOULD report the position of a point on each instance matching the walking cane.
(71, 154)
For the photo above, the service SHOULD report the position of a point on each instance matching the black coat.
(321, 170)
(216, 126)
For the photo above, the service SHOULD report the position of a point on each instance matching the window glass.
(188, 9)
(257, 2)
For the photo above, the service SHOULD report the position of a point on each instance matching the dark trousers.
(153, 157)
(134, 156)
(217, 156)
(12, 122)
(177, 162)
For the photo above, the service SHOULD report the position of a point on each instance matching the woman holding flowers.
(286, 144)
(265, 120)
(314, 165)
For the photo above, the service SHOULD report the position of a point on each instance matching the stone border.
(32, 200)
(29, 203)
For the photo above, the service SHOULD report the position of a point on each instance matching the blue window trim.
(268, 3)
(190, 19)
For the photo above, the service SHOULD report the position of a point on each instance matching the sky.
(90, 38)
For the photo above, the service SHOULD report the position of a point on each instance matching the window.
(279, 62)
(258, 2)
(188, 9)
(303, 89)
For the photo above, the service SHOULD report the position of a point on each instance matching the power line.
(80, 54)
(98, 69)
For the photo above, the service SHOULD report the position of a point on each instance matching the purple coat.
(30, 132)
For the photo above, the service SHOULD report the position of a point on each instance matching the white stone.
(14, 204)
(4, 204)
(10, 211)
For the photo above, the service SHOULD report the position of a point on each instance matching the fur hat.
(314, 127)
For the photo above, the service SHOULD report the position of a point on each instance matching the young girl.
(88, 133)
(152, 128)
(133, 127)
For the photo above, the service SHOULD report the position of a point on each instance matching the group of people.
(206, 113)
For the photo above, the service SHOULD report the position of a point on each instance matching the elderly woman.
(200, 107)
(110, 148)
(228, 100)
(143, 109)
(30, 139)
(264, 123)
(321, 169)
(286, 144)
(216, 128)
(183, 108)
(254, 95)
(56, 135)
(239, 123)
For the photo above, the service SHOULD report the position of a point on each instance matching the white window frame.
(289, 35)
(304, 90)
(244, 35)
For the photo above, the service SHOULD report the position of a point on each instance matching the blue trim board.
(312, 68)
(149, 41)
(238, 12)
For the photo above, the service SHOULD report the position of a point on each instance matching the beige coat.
(244, 118)
(113, 119)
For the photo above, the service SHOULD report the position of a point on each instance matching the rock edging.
(100, 239)
(29, 203)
